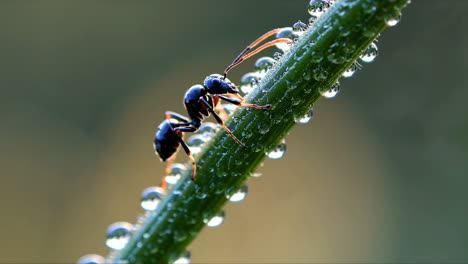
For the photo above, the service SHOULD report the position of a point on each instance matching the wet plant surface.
(292, 82)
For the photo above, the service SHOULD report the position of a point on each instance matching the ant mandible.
(200, 101)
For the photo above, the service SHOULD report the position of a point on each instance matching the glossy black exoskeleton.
(200, 102)
(168, 138)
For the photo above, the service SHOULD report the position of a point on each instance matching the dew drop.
(249, 82)
(263, 128)
(200, 193)
(305, 118)
(257, 147)
(370, 53)
(333, 91)
(247, 134)
(180, 236)
(299, 27)
(195, 143)
(176, 173)
(91, 259)
(336, 58)
(316, 56)
(320, 74)
(263, 64)
(184, 259)
(312, 20)
(229, 108)
(151, 197)
(318, 7)
(216, 220)
(278, 151)
(118, 234)
(350, 71)
(249, 78)
(239, 195)
(277, 55)
(289, 33)
(208, 129)
(393, 19)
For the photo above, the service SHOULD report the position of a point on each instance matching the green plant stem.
(313, 64)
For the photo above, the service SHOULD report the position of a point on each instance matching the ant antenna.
(245, 55)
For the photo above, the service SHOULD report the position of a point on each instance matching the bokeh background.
(379, 175)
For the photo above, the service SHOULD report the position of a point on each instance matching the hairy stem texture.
(313, 64)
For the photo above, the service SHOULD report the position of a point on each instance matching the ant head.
(217, 84)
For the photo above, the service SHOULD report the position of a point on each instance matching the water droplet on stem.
(118, 234)
(278, 151)
(305, 118)
(370, 53)
(333, 91)
(239, 195)
(91, 259)
(151, 197)
(216, 220)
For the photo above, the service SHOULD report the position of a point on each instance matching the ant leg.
(244, 56)
(185, 147)
(240, 102)
(221, 123)
(187, 151)
(170, 114)
(185, 129)
(219, 107)
(170, 161)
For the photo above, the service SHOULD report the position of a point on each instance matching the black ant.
(200, 101)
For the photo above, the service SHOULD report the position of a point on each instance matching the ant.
(200, 101)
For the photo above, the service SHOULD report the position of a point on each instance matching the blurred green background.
(379, 175)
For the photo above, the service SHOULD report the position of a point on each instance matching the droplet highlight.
(118, 234)
(263, 64)
(305, 118)
(151, 197)
(370, 53)
(289, 33)
(216, 220)
(196, 143)
(350, 71)
(184, 259)
(278, 151)
(299, 27)
(239, 195)
(91, 259)
(333, 91)
(317, 7)
(208, 129)
(176, 173)
(393, 19)
(249, 82)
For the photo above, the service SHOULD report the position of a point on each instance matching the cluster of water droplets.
(118, 234)
(250, 80)
(317, 8)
